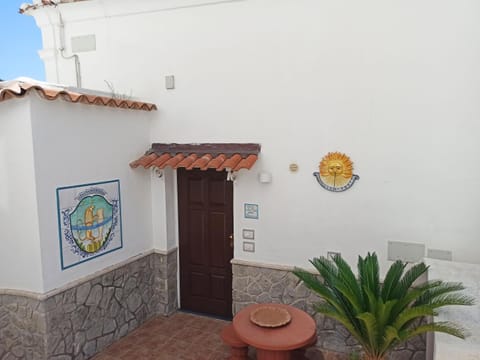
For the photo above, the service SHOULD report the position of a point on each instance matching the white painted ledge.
(262, 265)
(442, 346)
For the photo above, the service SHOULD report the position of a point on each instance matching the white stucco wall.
(80, 144)
(393, 85)
(20, 262)
(445, 347)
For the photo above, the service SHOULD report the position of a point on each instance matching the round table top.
(296, 334)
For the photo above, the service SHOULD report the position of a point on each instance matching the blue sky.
(20, 41)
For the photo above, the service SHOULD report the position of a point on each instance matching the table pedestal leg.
(273, 355)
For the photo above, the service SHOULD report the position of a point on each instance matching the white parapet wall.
(445, 347)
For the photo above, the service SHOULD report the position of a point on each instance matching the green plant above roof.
(381, 316)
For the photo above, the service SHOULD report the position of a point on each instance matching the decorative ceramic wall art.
(89, 221)
(250, 211)
(336, 172)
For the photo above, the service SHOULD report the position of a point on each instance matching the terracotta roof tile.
(189, 160)
(231, 162)
(44, 3)
(159, 161)
(219, 156)
(173, 161)
(246, 163)
(20, 88)
(215, 163)
(201, 163)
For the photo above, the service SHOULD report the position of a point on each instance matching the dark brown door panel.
(205, 206)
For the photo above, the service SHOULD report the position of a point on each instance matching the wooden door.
(205, 209)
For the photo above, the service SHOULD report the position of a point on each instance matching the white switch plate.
(170, 82)
(248, 246)
(248, 234)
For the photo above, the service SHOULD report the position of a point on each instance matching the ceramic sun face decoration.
(336, 172)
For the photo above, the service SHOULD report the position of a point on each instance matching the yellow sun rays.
(336, 169)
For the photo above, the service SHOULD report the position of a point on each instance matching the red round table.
(275, 343)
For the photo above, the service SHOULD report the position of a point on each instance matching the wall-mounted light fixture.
(231, 176)
(158, 172)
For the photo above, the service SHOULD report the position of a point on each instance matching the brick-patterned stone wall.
(259, 284)
(82, 320)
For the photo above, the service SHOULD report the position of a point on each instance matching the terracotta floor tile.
(182, 336)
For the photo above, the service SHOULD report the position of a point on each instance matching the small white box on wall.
(248, 246)
(248, 234)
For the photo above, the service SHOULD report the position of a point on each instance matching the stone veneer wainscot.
(83, 318)
(263, 283)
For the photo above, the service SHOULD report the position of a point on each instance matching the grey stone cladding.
(82, 320)
(22, 328)
(258, 284)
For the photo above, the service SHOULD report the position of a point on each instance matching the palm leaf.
(451, 299)
(348, 284)
(392, 278)
(408, 279)
(412, 314)
(389, 339)
(407, 300)
(312, 282)
(370, 322)
(327, 310)
(368, 270)
(443, 327)
(326, 268)
(437, 288)
(381, 316)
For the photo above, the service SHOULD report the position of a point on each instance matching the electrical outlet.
(248, 246)
(170, 82)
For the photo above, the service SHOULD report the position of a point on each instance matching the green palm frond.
(408, 279)
(368, 271)
(389, 339)
(436, 289)
(370, 322)
(328, 310)
(326, 269)
(349, 283)
(381, 316)
(392, 278)
(445, 327)
(313, 283)
(412, 313)
(451, 299)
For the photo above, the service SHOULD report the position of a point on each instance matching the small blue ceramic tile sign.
(250, 211)
(89, 221)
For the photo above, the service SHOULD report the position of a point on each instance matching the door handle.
(231, 240)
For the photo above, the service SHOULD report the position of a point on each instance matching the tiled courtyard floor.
(182, 336)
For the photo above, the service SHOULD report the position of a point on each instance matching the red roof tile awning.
(218, 156)
(20, 88)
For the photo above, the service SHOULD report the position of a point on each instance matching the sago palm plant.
(381, 316)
